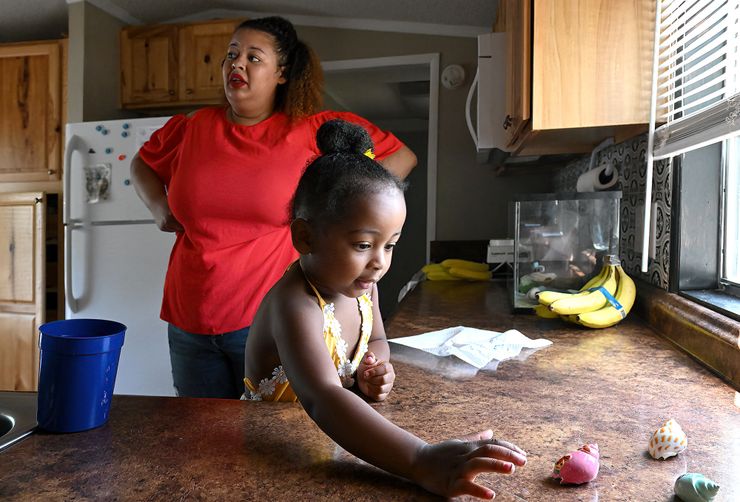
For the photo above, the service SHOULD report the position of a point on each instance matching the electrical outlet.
(639, 225)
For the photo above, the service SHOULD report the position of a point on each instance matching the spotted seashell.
(578, 467)
(668, 441)
(695, 487)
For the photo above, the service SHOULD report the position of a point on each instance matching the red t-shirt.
(230, 187)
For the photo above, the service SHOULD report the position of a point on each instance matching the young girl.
(318, 330)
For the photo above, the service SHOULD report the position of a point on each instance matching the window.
(705, 263)
(696, 98)
(730, 276)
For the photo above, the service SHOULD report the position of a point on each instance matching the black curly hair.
(339, 175)
(302, 94)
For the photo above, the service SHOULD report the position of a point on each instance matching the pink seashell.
(578, 467)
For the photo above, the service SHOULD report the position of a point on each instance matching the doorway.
(398, 94)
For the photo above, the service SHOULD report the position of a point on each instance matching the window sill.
(708, 336)
(716, 300)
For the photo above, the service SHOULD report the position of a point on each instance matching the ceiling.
(24, 20)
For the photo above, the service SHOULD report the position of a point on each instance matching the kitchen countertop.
(613, 387)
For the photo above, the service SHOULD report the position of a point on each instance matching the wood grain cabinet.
(31, 111)
(148, 65)
(577, 72)
(22, 287)
(173, 65)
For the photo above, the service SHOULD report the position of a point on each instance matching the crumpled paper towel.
(475, 346)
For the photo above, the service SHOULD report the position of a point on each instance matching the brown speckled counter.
(613, 387)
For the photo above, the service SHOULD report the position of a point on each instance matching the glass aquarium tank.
(560, 241)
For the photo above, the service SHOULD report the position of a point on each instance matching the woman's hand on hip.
(164, 218)
(152, 192)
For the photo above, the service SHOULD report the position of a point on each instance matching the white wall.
(93, 73)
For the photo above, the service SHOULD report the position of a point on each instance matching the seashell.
(668, 441)
(695, 487)
(578, 467)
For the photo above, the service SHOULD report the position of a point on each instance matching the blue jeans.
(207, 365)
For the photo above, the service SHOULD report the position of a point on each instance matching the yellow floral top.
(277, 387)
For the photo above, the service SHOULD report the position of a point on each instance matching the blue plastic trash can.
(77, 373)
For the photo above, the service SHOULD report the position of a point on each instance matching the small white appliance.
(490, 81)
(115, 256)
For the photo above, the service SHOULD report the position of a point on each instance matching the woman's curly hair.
(301, 95)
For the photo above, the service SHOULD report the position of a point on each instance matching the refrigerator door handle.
(68, 290)
(74, 143)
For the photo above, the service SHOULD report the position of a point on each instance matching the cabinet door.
(22, 280)
(30, 112)
(518, 67)
(591, 63)
(148, 65)
(202, 49)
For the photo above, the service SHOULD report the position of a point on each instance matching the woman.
(222, 179)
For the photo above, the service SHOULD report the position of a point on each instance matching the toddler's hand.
(375, 378)
(449, 468)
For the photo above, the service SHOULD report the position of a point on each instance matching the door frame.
(432, 60)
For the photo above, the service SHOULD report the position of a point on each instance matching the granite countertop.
(613, 387)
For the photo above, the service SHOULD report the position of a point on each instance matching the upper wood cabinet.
(148, 65)
(577, 73)
(31, 101)
(202, 49)
(173, 65)
(22, 287)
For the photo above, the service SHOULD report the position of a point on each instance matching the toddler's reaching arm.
(447, 468)
(450, 467)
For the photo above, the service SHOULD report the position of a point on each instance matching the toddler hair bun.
(340, 136)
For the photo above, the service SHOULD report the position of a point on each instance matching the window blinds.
(697, 93)
(695, 89)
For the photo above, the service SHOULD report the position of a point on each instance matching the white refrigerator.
(115, 256)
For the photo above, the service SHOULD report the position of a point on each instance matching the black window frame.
(697, 222)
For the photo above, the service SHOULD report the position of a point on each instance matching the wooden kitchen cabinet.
(22, 287)
(173, 65)
(202, 49)
(577, 73)
(148, 65)
(31, 102)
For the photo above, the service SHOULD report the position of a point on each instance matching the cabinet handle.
(50, 172)
(507, 122)
(171, 92)
(188, 91)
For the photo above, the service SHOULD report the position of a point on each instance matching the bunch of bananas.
(457, 270)
(602, 302)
